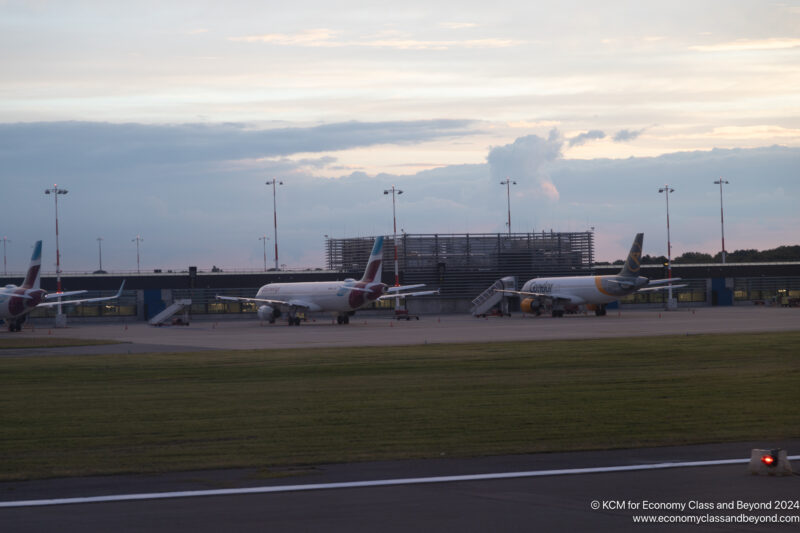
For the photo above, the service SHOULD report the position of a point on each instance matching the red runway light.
(768, 460)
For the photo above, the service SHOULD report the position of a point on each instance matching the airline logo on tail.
(371, 280)
(634, 260)
(374, 270)
(32, 277)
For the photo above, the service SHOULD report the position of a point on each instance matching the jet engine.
(531, 305)
(266, 312)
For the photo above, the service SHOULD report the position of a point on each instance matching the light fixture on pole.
(100, 254)
(5, 270)
(274, 183)
(264, 238)
(60, 320)
(137, 240)
(667, 190)
(508, 182)
(394, 191)
(722, 215)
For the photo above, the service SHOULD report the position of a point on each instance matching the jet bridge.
(489, 298)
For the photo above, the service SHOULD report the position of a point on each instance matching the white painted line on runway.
(375, 483)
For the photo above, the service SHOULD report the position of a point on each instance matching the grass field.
(66, 416)
(48, 342)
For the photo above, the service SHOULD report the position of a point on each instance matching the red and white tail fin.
(32, 276)
(375, 265)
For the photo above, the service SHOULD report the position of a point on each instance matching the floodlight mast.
(719, 182)
(137, 240)
(508, 182)
(394, 191)
(274, 182)
(55, 191)
(5, 269)
(265, 239)
(667, 190)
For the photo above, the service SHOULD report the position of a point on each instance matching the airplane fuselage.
(585, 289)
(324, 296)
(18, 301)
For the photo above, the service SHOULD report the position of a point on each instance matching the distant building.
(464, 264)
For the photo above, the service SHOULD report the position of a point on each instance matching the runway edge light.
(773, 462)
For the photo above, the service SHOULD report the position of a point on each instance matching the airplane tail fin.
(375, 265)
(633, 262)
(32, 276)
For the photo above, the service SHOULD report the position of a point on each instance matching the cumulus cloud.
(524, 160)
(582, 138)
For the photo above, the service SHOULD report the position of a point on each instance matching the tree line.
(774, 255)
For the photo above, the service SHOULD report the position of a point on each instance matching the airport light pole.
(275, 183)
(265, 239)
(5, 270)
(137, 240)
(100, 252)
(508, 182)
(394, 191)
(719, 182)
(667, 190)
(55, 191)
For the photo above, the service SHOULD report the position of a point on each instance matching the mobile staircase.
(164, 316)
(489, 298)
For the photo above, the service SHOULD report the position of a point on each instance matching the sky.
(167, 119)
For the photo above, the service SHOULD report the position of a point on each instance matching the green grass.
(65, 416)
(49, 342)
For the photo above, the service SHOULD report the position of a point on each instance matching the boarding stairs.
(177, 306)
(489, 298)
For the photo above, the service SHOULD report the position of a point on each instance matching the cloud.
(322, 37)
(582, 138)
(458, 25)
(314, 38)
(627, 135)
(525, 160)
(44, 146)
(741, 45)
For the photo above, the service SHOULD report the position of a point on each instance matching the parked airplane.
(593, 291)
(16, 302)
(340, 298)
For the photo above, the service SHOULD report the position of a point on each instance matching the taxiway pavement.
(383, 330)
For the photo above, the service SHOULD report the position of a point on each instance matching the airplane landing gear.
(342, 319)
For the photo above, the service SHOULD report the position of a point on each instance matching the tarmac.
(601, 501)
(371, 329)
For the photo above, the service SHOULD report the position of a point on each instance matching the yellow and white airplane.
(17, 301)
(339, 298)
(593, 291)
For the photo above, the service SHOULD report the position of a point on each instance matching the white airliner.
(593, 291)
(339, 298)
(16, 302)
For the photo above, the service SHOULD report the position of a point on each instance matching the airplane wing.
(11, 293)
(661, 288)
(78, 302)
(295, 304)
(405, 294)
(252, 300)
(665, 280)
(571, 298)
(52, 295)
(404, 287)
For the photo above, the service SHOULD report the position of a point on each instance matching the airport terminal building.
(460, 266)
